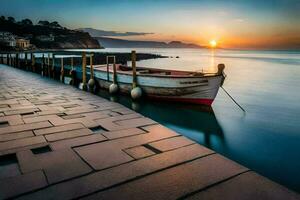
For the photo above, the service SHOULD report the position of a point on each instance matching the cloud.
(239, 20)
(101, 33)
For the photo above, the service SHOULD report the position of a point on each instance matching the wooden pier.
(58, 142)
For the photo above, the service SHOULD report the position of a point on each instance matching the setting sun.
(213, 43)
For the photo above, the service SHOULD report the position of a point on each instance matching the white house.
(8, 39)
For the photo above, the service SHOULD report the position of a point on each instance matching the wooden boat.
(170, 85)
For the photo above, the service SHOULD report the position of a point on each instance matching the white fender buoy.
(91, 83)
(113, 88)
(136, 93)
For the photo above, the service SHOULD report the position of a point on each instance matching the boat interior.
(124, 69)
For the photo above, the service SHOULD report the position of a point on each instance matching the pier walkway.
(58, 142)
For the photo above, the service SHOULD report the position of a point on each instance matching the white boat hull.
(192, 89)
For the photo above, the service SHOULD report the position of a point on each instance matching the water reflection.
(196, 122)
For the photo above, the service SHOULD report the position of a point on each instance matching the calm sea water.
(266, 138)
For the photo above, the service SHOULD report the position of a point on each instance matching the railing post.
(12, 61)
(33, 63)
(42, 65)
(48, 66)
(107, 68)
(114, 71)
(133, 60)
(84, 86)
(62, 78)
(26, 62)
(53, 66)
(136, 92)
(91, 82)
(18, 60)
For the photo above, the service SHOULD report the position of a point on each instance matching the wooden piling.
(18, 60)
(133, 60)
(42, 65)
(84, 85)
(62, 78)
(33, 63)
(9, 59)
(15, 60)
(53, 66)
(26, 61)
(48, 66)
(114, 70)
(12, 61)
(107, 67)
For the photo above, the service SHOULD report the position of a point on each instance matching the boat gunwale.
(205, 75)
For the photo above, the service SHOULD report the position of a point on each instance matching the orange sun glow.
(213, 43)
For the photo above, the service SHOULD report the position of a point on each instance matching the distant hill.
(48, 35)
(120, 43)
(102, 33)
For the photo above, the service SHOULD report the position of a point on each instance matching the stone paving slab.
(249, 185)
(13, 186)
(57, 142)
(175, 182)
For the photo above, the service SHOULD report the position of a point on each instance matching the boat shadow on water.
(197, 122)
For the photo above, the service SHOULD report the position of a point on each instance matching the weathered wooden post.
(91, 82)
(26, 61)
(12, 60)
(15, 60)
(33, 63)
(113, 88)
(136, 92)
(53, 66)
(107, 67)
(30, 65)
(42, 65)
(133, 61)
(84, 86)
(18, 60)
(62, 77)
(48, 66)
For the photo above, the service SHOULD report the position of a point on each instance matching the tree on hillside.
(26, 22)
(11, 19)
(55, 24)
(43, 23)
(2, 18)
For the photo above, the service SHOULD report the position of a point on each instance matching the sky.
(249, 24)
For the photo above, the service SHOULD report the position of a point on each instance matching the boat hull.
(193, 89)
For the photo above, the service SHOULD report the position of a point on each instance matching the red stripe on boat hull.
(207, 102)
